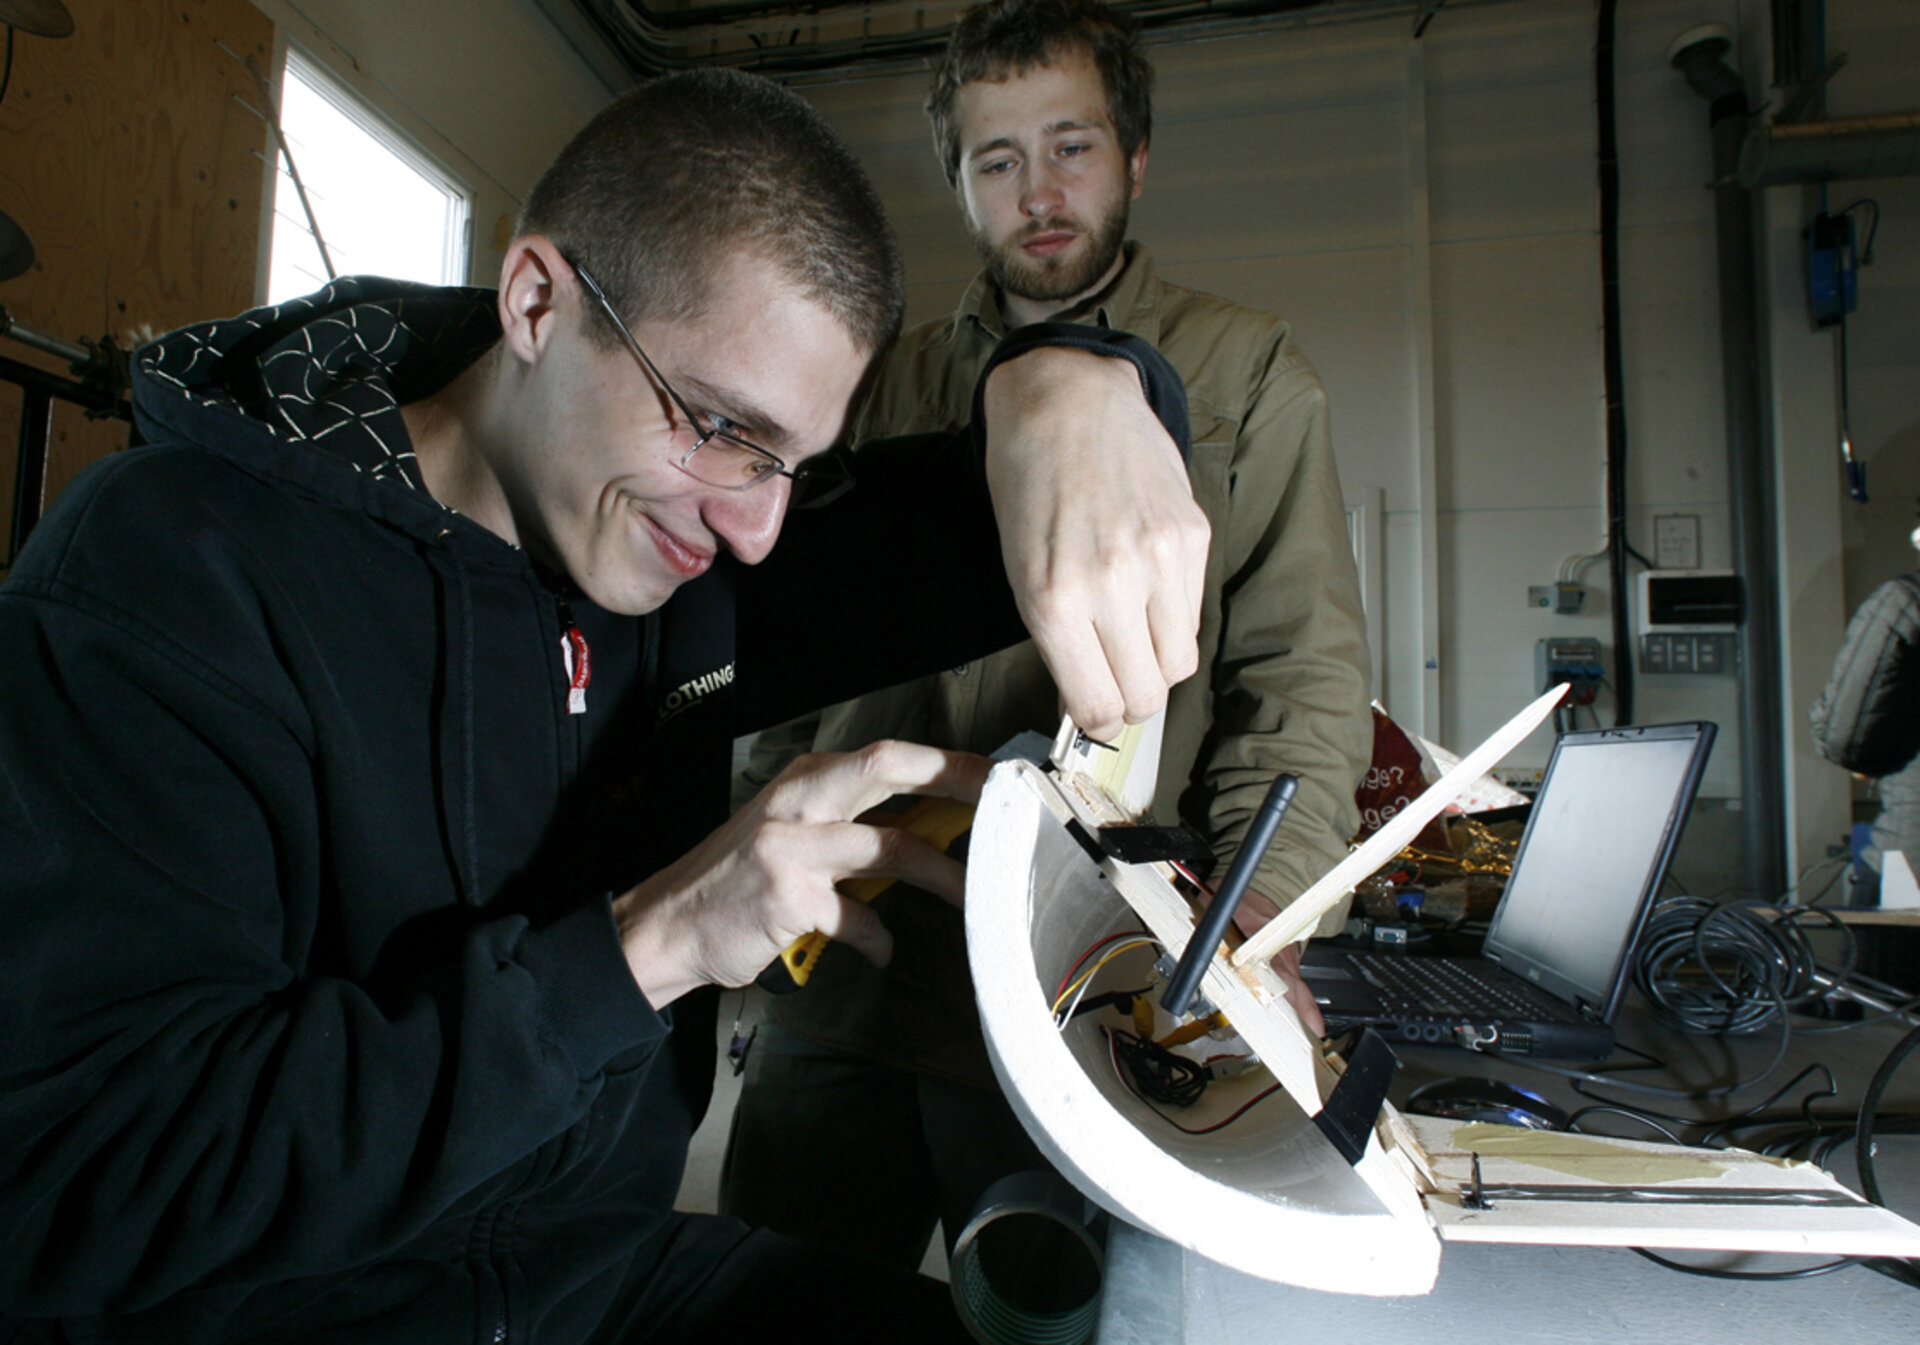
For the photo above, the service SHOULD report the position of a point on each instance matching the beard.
(1053, 279)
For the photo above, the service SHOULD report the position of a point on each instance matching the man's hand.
(727, 908)
(1254, 911)
(1106, 550)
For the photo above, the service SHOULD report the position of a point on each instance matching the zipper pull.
(578, 659)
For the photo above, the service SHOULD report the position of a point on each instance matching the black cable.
(6, 78)
(1869, 1105)
(1713, 1273)
(1613, 361)
(1112, 999)
(1133, 1085)
(1654, 1090)
(1156, 1073)
(1839, 864)
(1723, 968)
(1726, 1125)
(1614, 1108)
(1866, 251)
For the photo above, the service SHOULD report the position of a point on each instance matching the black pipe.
(1613, 366)
(1754, 518)
(652, 41)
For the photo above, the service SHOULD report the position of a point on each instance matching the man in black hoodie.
(364, 749)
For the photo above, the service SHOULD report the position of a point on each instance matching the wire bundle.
(1074, 985)
(1724, 968)
(1156, 1073)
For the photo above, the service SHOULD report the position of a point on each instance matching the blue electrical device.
(1833, 268)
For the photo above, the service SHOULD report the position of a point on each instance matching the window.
(381, 207)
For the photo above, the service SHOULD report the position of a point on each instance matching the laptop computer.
(1554, 966)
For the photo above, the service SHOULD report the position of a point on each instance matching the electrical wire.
(1724, 968)
(1796, 894)
(1093, 948)
(1130, 1081)
(1903, 1009)
(1866, 250)
(1153, 1073)
(1612, 1080)
(1869, 1107)
(1715, 1273)
(1614, 1108)
(1906, 1272)
(1080, 986)
(1191, 876)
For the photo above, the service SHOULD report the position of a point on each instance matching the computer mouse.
(1463, 1098)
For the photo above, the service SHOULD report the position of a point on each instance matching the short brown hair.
(1002, 38)
(674, 177)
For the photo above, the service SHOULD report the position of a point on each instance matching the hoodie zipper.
(576, 656)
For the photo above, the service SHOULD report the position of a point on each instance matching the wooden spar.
(1298, 919)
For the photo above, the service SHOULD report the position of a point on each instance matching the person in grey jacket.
(1868, 717)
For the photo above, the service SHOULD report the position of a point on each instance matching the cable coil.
(1727, 968)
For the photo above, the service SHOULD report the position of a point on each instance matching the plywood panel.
(136, 173)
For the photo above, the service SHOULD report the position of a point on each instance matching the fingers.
(723, 911)
(883, 852)
(1116, 647)
(1173, 607)
(823, 788)
(1103, 542)
(857, 925)
(1088, 690)
(1252, 915)
(1286, 963)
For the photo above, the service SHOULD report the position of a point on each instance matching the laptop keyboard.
(1447, 988)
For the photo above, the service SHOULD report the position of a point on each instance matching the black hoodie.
(315, 1018)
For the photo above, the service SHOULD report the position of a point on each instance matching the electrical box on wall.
(1687, 620)
(1689, 602)
(1573, 660)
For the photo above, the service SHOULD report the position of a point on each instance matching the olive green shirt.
(1283, 653)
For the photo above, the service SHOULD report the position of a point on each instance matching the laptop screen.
(1601, 834)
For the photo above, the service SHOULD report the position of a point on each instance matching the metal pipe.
(77, 356)
(1699, 55)
(1823, 151)
(1027, 1268)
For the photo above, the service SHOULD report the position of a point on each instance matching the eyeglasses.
(719, 457)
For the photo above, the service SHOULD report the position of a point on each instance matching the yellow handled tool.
(938, 822)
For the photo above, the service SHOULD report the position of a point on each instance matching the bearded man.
(869, 1108)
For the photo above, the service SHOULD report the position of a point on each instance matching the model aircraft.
(1289, 1164)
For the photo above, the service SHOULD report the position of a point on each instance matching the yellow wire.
(1090, 972)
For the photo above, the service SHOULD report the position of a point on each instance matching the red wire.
(1081, 961)
(1113, 1049)
(1190, 876)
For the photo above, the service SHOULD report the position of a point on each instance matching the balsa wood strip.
(1297, 921)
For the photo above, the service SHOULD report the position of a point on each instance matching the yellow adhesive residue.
(1581, 1156)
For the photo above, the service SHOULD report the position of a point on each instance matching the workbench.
(1156, 1293)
